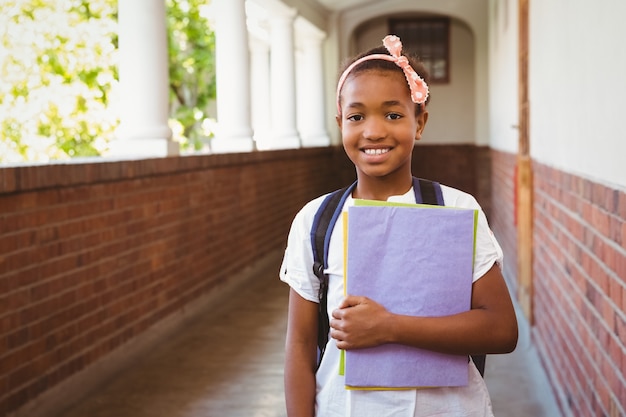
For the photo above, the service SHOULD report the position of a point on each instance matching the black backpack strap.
(321, 230)
(479, 361)
(427, 192)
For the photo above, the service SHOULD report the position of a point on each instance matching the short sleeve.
(297, 266)
(488, 251)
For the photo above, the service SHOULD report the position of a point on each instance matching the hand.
(359, 322)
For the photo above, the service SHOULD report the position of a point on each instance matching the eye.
(394, 116)
(355, 118)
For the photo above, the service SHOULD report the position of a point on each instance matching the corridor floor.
(229, 363)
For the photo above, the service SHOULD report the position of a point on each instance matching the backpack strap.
(323, 224)
(427, 192)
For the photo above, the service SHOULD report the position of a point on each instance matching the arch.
(472, 12)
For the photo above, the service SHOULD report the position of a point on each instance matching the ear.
(339, 120)
(421, 120)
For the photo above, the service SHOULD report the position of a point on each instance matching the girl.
(381, 113)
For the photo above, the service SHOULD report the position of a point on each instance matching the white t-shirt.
(332, 398)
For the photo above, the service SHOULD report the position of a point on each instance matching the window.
(429, 39)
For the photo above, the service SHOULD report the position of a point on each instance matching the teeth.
(376, 151)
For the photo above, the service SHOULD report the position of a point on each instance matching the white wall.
(503, 74)
(452, 109)
(578, 87)
(577, 76)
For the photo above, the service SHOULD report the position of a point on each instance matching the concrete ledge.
(20, 178)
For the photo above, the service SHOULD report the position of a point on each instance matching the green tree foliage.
(191, 70)
(59, 81)
(58, 71)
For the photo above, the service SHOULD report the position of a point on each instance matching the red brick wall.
(466, 167)
(502, 220)
(579, 276)
(92, 255)
(580, 290)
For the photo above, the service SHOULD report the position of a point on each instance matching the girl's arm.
(301, 356)
(490, 326)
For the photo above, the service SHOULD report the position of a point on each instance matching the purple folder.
(414, 261)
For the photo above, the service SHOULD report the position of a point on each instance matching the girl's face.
(378, 124)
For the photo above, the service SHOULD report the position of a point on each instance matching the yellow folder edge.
(342, 354)
(361, 202)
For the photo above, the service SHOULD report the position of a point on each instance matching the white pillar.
(283, 80)
(232, 72)
(260, 79)
(310, 75)
(144, 81)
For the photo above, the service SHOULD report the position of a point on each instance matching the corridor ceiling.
(337, 5)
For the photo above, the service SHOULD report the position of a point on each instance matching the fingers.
(338, 321)
(341, 338)
(347, 325)
(337, 334)
(352, 301)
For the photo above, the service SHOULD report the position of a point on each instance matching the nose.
(374, 129)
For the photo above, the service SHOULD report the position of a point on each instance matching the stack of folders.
(414, 260)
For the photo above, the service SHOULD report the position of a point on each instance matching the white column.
(144, 81)
(310, 75)
(283, 80)
(260, 79)
(232, 72)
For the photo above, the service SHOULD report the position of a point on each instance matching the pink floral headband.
(418, 87)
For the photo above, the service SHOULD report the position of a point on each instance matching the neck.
(381, 188)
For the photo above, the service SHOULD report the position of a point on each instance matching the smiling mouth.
(376, 151)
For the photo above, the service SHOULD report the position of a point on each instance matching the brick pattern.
(580, 290)
(502, 219)
(466, 167)
(579, 275)
(94, 254)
